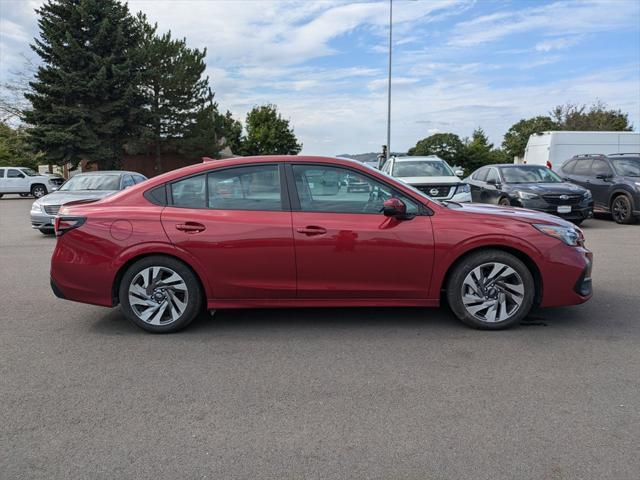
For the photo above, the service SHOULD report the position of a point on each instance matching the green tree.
(268, 133)
(447, 146)
(86, 101)
(181, 112)
(597, 117)
(15, 149)
(516, 138)
(231, 130)
(479, 152)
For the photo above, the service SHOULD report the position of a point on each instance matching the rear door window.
(1, 173)
(189, 192)
(600, 167)
(245, 188)
(127, 181)
(583, 167)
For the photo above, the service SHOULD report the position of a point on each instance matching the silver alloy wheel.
(492, 292)
(158, 295)
(38, 191)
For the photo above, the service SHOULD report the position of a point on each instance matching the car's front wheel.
(622, 209)
(491, 290)
(47, 231)
(160, 294)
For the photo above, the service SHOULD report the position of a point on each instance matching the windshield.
(627, 167)
(422, 168)
(92, 182)
(529, 175)
(29, 172)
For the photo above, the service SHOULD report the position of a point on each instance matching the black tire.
(1, 195)
(38, 190)
(193, 300)
(622, 209)
(47, 231)
(25, 195)
(463, 268)
(504, 202)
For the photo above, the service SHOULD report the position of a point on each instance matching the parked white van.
(554, 148)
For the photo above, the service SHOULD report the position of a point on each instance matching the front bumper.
(581, 211)
(42, 220)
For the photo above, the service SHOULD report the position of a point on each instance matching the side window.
(189, 192)
(569, 166)
(340, 190)
(1, 172)
(600, 167)
(245, 188)
(583, 167)
(480, 175)
(492, 175)
(127, 181)
(14, 174)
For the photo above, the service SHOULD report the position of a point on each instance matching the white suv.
(430, 175)
(25, 181)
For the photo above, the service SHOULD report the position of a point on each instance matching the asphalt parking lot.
(339, 393)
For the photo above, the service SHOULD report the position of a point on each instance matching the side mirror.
(459, 173)
(394, 207)
(492, 181)
(21, 175)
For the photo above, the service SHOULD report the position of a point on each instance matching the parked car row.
(582, 184)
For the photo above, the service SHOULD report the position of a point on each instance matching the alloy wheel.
(158, 295)
(38, 192)
(620, 209)
(492, 292)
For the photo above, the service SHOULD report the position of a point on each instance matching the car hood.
(547, 188)
(513, 213)
(62, 197)
(431, 180)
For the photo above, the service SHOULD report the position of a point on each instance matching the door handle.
(312, 230)
(190, 227)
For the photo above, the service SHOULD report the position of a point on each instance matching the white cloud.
(562, 17)
(556, 43)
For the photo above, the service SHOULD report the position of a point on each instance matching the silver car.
(82, 186)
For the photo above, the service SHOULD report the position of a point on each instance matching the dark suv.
(614, 182)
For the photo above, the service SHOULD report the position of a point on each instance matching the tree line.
(110, 83)
(476, 151)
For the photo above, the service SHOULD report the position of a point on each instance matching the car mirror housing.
(394, 207)
(459, 173)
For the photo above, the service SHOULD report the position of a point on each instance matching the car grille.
(51, 209)
(443, 191)
(556, 200)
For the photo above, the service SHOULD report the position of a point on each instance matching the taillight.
(63, 224)
(549, 164)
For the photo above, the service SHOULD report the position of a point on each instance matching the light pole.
(389, 87)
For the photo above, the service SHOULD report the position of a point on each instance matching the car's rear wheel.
(25, 195)
(622, 209)
(491, 290)
(38, 191)
(160, 294)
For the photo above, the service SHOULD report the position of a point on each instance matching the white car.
(25, 181)
(430, 175)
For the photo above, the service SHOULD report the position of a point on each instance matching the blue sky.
(458, 64)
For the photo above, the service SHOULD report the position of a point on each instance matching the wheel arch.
(519, 254)
(617, 192)
(115, 287)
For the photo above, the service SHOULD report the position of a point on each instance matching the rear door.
(237, 222)
(600, 186)
(346, 248)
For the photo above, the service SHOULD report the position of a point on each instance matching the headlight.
(463, 188)
(527, 195)
(36, 207)
(569, 235)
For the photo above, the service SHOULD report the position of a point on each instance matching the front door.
(346, 248)
(236, 222)
(16, 181)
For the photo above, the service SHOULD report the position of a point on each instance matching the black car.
(614, 182)
(531, 186)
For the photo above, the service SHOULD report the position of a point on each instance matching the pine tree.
(86, 100)
(181, 113)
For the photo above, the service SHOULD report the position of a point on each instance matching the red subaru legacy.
(280, 231)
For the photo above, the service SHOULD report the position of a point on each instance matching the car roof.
(431, 158)
(107, 172)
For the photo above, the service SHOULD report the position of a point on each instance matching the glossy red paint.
(294, 258)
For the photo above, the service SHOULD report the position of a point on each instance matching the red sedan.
(280, 231)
